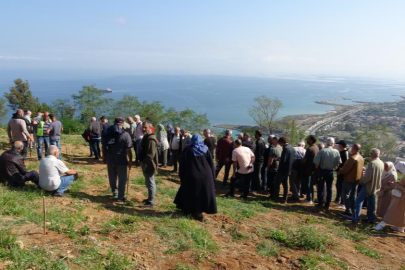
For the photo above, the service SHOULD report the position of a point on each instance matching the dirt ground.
(140, 241)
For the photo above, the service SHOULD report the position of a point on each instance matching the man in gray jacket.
(17, 131)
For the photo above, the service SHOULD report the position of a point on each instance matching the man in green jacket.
(371, 183)
(149, 161)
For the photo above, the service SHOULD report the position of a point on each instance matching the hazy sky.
(249, 38)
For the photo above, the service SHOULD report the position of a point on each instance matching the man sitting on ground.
(50, 171)
(12, 167)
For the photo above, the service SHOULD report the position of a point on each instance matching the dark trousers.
(349, 195)
(95, 146)
(307, 182)
(246, 180)
(137, 144)
(176, 156)
(233, 183)
(163, 157)
(327, 177)
(281, 179)
(256, 181)
(117, 172)
(218, 168)
(339, 185)
(271, 184)
(264, 176)
(25, 149)
(19, 180)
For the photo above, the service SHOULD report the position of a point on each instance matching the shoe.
(57, 194)
(396, 229)
(148, 204)
(326, 206)
(379, 227)
(347, 215)
(319, 205)
(302, 196)
(293, 199)
(306, 201)
(341, 206)
(122, 200)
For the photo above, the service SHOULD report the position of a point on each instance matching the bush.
(72, 126)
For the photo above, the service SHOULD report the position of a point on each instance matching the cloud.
(120, 20)
(9, 57)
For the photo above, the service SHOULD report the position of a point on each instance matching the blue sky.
(243, 38)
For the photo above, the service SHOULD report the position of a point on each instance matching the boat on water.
(108, 90)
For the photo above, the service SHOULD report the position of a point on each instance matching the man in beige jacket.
(371, 183)
(17, 130)
(352, 171)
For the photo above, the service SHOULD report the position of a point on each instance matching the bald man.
(12, 167)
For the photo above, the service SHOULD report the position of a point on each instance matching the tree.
(90, 102)
(153, 110)
(265, 111)
(379, 137)
(3, 109)
(128, 105)
(187, 119)
(63, 108)
(292, 132)
(20, 97)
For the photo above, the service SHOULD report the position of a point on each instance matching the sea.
(225, 99)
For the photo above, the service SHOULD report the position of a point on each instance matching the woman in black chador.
(197, 173)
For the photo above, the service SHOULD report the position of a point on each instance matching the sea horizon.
(225, 99)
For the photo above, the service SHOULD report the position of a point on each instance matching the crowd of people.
(257, 167)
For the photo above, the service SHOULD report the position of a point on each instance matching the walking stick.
(128, 180)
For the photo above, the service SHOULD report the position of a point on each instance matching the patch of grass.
(139, 180)
(305, 237)
(78, 185)
(85, 230)
(368, 252)
(184, 234)
(180, 266)
(98, 181)
(7, 239)
(118, 262)
(318, 261)
(238, 210)
(268, 248)
(236, 235)
(351, 235)
(168, 192)
(122, 223)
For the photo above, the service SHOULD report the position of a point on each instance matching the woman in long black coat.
(197, 173)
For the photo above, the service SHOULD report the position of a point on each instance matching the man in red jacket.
(224, 155)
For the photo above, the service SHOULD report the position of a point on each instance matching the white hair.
(18, 145)
(137, 117)
(93, 118)
(207, 130)
(301, 143)
(375, 152)
(330, 141)
(228, 132)
(52, 150)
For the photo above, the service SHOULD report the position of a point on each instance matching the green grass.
(235, 233)
(368, 252)
(122, 223)
(184, 234)
(268, 248)
(7, 239)
(321, 261)
(99, 181)
(306, 237)
(238, 210)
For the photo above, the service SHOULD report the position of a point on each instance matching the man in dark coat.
(284, 169)
(259, 159)
(118, 146)
(196, 193)
(12, 167)
(224, 155)
(148, 156)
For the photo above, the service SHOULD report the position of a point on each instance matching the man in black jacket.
(259, 159)
(95, 129)
(12, 167)
(284, 169)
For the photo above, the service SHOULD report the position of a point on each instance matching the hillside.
(88, 230)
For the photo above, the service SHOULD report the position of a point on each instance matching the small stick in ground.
(44, 209)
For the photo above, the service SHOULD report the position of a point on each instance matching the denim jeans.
(42, 140)
(95, 145)
(218, 168)
(359, 203)
(349, 194)
(307, 182)
(57, 143)
(120, 172)
(150, 185)
(327, 177)
(66, 181)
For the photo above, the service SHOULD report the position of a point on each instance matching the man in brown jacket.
(352, 171)
(17, 131)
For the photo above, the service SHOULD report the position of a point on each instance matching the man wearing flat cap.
(118, 146)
